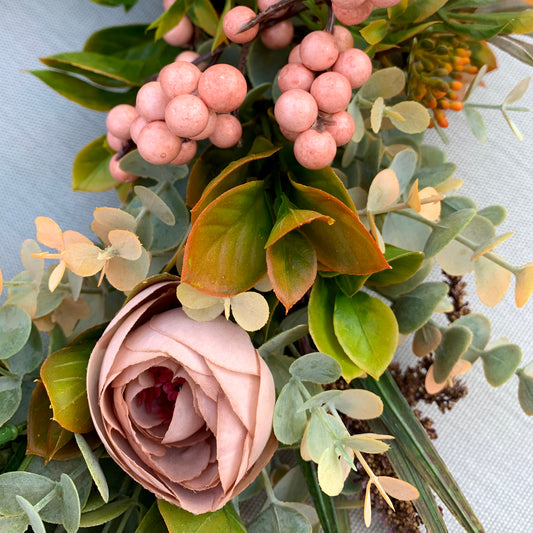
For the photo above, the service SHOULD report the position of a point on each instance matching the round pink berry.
(341, 126)
(385, 3)
(296, 110)
(294, 56)
(332, 92)
(181, 34)
(186, 115)
(263, 5)
(180, 77)
(136, 126)
(354, 15)
(343, 38)
(355, 65)
(151, 101)
(295, 76)
(314, 150)
(118, 120)
(187, 55)
(209, 128)
(118, 173)
(222, 87)
(234, 19)
(228, 131)
(187, 152)
(318, 50)
(114, 142)
(157, 144)
(277, 36)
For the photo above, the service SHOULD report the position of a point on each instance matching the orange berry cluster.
(436, 73)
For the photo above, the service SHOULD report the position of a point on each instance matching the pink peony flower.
(184, 407)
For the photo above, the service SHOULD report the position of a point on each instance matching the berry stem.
(331, 19)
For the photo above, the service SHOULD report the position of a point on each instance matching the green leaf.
(170, 18)
(220, 36)
(152, 521)
(434, 175)
(84, 93)
(385, 82)
(414, 116)
(178, 520)
(262, 63)
(105, 513)
(120, 41)
(15, 329)
(32, 487)
(393, 291)
(496, 214)
(90, 171)
(277, 344)
(367, 330)
(10, 397)
(479, 325)
(525, 389)
(29, 357)
(316, 367)
(321, 309)
(292, 267)
(133, 163)
(330, 475)
(94, 467)
(124, 70)
(415, 308)
(404, 166)
(238, 218)
(400, 421)
(419, 10)
(349, 285)
(289, 423)
(455, 342)
(64, 374)
(500, 363)
(35, 520)
(376, 31)
(203, 14)
(70, 504)
(155, 205)
(323, 432)
(476, 123)
(404, 264)
(14, 524)
(448, 229)
(345, 247)
(278, 518)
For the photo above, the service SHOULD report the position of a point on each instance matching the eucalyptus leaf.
(320, 399)
(278, 343)
(415, 308)
(404, 165)
(10, 397)
(500, 363)
(35, 520)
(70, 504)
(323, 432)
(289, 422)
(278, 518)
(133, 163)
(316, 367)
(94, 467)
(385, 83)
(476, 123)
(495, 213)
(32, 487)
(155, 205)
(330, 474)
(479, 325)
(291, 487)
(15, 329)
(525, 389)
(29, 357)
(14, 524)
(455, 342)
(105, 513)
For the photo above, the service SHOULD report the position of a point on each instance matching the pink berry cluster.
(184, 105)
(181, 34)
(274, 36)
(352, 12)
(316, 88)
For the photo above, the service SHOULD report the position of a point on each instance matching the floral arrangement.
(227, 335)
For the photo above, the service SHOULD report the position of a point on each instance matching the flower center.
(161, 397)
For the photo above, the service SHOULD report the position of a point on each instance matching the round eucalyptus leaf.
(280, 519)
(480, 327)
(455, 341)
(32, 487)
(525, 389)
(316, 367)
(330, 474)
(500, 363)
(289, 422)
(15, 328)
(10, 398)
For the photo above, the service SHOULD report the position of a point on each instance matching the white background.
(486, 440)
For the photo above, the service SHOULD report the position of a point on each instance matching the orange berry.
(452, 95)
(456, 85)
(442, 103)
(456, 106)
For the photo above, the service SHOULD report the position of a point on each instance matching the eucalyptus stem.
(172, 263)
(499, 107)
(463, 240)
(268, 488)
(403, 205)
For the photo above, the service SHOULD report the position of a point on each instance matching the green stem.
(25, 463)
(499, 107)
(268, 488)
(463, 240)
(161, 186)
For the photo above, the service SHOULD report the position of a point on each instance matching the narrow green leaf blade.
(94, 467)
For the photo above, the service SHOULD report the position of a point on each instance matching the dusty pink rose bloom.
(184, 407)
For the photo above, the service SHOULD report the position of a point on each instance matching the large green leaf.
(404, 264)
(367, 330)
(15, 328)
(321, 309)
(346, 246)
(263, 63)
(64, 376)
(292, 267)
(84, 93)
(90, 171)
(225, 520)
(203, 14)
(152, 521)
(419, 10)
(225, 251)
(415, 308)
(400, 422)
(455, 342)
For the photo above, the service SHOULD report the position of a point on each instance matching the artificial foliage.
(229, 332)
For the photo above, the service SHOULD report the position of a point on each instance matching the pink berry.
(118, 173)
(355, 65)
(151, 101)
(296, 110)
(263, 5)
(351, 4)
(119, 119)
(318, 50)
(354, 15)
(295, 76)
(332, 92)
(187, 55)
(343, 38)
(209, 129)
(385, 3)
(234, 19)
(187, 152)
(167, 4)
(178, 78)
(314, 150)
(227, 133)
(181, 34)
(114, 142)
(186, 115)
(136, 126)
(290, 135)
(278, 36)
(222, 88)
(294, 56)
(157, 144)
(341, 128)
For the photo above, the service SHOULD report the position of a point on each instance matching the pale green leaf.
(70, 504)
(415, 117)
(35, 520)
(330, 474)
(448, 229)
(316, 367)
(94, 467)
(155, 205)
(15, 328)
(289, 422)
(500, 363)
(517, 92)
(358, 404)
(386, 82)
(455, 342)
